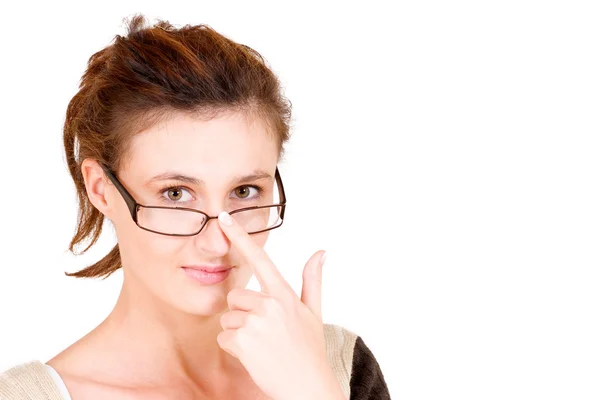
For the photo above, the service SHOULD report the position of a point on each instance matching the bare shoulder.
(82, 383)
(86, 382)
(75, 368)
(88, 387)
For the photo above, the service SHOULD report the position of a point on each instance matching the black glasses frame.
(134, 206)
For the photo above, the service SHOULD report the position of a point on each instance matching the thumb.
(312, 278)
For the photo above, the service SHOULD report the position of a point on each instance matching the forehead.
(224, 146)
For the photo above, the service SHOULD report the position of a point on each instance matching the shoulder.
(29, 380)
(367, 381)
(354, 364)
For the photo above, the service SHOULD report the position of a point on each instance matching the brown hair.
(141, 79)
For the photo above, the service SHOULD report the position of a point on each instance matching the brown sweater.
(353, 363)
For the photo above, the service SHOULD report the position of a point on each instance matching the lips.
(209, 268)
(207, 274)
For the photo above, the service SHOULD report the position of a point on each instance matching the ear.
(96, 184)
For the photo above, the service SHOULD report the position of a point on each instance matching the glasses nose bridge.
(208, 218)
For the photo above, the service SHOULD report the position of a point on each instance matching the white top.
(62, 388)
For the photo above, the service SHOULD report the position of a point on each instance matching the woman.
(175, 136)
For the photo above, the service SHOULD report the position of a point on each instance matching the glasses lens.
(173, 221)
(259, 219)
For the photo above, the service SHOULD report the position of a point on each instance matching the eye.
(176, 194)
(243, 192)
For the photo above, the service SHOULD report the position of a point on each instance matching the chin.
(203, 304)
(205, 299)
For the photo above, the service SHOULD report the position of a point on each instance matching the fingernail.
(323, 258)
(226, 218)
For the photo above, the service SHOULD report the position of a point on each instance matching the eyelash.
(259, 193)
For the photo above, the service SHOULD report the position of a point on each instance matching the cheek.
(243, 276)
(148, 251)
(159, 248)
(260, 238)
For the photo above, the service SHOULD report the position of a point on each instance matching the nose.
(212, 240)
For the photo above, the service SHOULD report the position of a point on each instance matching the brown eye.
(175, 194)
(242, 192)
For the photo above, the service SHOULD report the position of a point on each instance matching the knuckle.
(270, 304)
(242, 318)
(274, 306)
(224, 339)
(287, 300)
(242, 337)
(252, 320)
(226, 320)
(232, 295)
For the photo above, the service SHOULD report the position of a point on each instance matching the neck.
(164, 343)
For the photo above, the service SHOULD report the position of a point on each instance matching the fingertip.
(225, 218)
(323, 258)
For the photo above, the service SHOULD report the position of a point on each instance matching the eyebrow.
(177, 176)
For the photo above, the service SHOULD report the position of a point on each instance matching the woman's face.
(218, 153)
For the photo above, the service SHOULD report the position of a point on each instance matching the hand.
(278, 337)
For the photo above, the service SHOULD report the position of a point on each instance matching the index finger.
(270, 279)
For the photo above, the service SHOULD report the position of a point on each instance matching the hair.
(143, 78)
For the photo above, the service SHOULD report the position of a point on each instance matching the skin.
(169, 336)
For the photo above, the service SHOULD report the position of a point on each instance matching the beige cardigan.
(31, 381)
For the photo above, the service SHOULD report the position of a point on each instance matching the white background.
(446, 154)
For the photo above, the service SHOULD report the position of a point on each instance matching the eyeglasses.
(180, 221)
